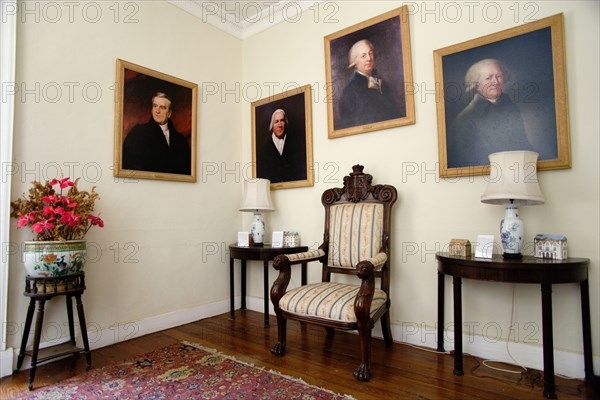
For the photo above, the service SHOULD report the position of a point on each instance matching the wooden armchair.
(356, 242)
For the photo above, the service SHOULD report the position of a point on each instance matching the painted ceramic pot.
(54, 258)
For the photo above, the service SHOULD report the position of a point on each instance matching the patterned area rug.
(181, 371)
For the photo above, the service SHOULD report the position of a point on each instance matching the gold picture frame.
(356, 103)
(142, 148)
(532, 66)
(291, 165)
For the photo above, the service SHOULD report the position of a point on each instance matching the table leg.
(587, 331)
(243, 285)
(26, 330)
(231, 290)
(82, 324)
(39, 320)
(70, 318)
(458, 344)
(304, 275)
(266, 292)
(548, 341)
(440, 329)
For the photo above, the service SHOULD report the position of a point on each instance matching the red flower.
(48, 210)
(75, 220)
(65, 182)
(50, 199)
(23, 221)
(54, 214)
(40, 226)
(96, 221)
(66, 216)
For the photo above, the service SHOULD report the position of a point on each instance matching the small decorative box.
(291, 239)
(460, 247)
(550, 246)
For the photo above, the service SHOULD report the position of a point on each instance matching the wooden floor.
(399, 371)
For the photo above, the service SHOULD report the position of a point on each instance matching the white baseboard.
(566, 363)
(6, 362)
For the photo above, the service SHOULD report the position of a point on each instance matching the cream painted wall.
(162, 252)
(177, 233)
(431, 211)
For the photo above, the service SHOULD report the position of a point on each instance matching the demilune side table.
(544, 272)
(265, 253)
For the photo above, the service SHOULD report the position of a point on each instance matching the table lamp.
(513, 182)
(257, 198)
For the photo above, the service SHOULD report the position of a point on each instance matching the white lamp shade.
(513, 176)
(257, 195)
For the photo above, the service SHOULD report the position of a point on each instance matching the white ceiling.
(243, 19)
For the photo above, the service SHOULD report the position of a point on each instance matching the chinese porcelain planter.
(54, 258)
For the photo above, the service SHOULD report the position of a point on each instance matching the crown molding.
(243, 19)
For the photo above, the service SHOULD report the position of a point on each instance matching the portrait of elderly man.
(367, 97)
(491, 122)
(156, 146)
(281, 153)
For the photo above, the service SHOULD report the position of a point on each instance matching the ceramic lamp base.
(258, 230)
(511, 232)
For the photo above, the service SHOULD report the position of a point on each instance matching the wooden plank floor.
(399, 371)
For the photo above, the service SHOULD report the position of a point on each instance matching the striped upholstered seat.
(328, 300)
(356, 244)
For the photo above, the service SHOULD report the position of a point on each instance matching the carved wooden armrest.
(365, 270)
(285, 260)
(378, 260)
(283, 263)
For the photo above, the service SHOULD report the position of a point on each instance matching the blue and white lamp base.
(511, 232)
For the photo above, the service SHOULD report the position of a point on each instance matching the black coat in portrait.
(360, 105)
(146, 149)
(287, 167)
(483, 128)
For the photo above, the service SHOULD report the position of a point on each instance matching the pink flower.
(66, 216)
(54, 214)
(50, 199)
(48, 210)
(75, 220)
(23, 221)
(96, 221)
(65, 182)
(40, 226)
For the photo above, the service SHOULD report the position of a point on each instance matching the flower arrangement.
(54, 216)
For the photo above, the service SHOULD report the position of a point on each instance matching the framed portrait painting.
(155, 125)
(282, 139)
(502, 92)
(369, 76)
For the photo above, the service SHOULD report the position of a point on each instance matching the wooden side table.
(39, 290)
(265, 253)
(544, 272)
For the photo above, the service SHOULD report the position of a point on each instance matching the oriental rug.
(182, 371)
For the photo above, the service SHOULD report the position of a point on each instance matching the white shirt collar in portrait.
(165, 129)
(373, 83)
(279, 143)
